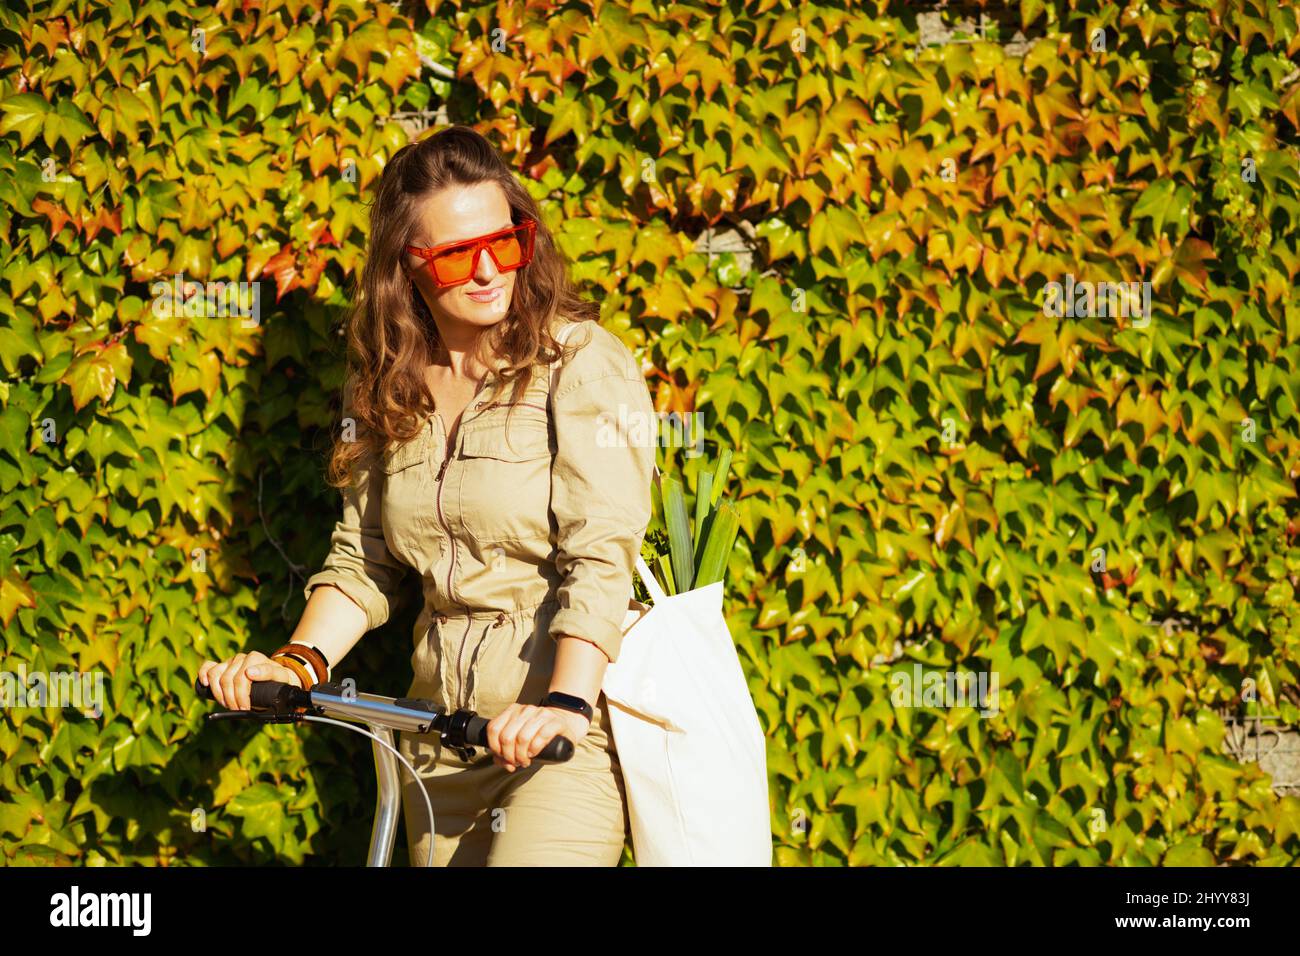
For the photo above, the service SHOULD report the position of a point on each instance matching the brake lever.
(264, 717)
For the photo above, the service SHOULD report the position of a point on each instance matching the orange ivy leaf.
(57, 216)
(104, 218)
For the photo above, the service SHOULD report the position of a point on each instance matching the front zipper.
(451, 566)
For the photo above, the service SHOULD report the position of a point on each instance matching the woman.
(507, 485)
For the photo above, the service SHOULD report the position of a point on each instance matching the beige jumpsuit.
(521, 534)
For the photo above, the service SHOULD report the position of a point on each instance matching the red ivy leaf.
(57, 216)
(284, 266)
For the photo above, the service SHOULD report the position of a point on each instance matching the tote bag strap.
(649, 580)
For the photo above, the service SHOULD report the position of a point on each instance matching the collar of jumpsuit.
(529, 524)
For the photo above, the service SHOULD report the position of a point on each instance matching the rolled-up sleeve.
(359, 562)
(600, 485)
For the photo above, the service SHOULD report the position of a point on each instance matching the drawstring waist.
(497, 617)
(459, 634)
(477, 626)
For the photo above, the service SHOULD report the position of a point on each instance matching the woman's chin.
(481, 315)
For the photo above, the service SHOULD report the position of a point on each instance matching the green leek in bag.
(679, 530)
(701, 539)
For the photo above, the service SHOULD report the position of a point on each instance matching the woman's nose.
(487, 269)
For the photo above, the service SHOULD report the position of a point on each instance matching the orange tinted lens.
(454, 265)
(508, 251)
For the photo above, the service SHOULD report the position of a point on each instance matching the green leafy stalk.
(722, 538)
(720, 475)
(679, 532)
(666, 574)
(702, 514)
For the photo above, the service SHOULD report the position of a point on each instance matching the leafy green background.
(884, 298)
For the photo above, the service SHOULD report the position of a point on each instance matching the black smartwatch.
(567, 702)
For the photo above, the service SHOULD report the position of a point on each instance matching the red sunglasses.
(456, 262)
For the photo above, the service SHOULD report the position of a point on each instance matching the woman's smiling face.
(451, 215)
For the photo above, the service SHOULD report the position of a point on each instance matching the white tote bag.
(692, 751)
(687, 734)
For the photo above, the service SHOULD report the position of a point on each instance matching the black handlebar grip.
(557, 750)
(270, 695)
(263, 695)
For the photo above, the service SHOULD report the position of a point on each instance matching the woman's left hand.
(521, 731)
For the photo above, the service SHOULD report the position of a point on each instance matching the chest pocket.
(407, 489)
(505, 488)
(402, 457)
(525, 439)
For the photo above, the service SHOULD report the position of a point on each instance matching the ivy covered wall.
(944, 463)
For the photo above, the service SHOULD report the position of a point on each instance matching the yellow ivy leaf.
(14, 593)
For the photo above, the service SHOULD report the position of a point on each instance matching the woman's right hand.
(232, 680)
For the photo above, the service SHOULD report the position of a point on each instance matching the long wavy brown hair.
(391, 335)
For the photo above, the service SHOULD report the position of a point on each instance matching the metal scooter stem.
(388, 802)
(388, 799)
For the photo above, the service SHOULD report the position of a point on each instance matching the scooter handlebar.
(278, 696)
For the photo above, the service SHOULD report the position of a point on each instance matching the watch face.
(568, 700)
